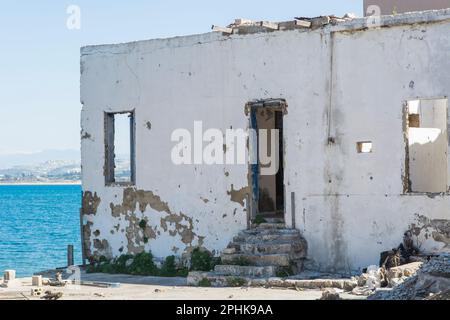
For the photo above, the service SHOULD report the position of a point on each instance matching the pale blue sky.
(39, 56)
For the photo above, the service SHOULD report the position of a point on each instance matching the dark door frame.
(253, 170)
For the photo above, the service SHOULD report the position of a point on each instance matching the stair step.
(279, 259)
(278, 232)
(274, 220)
(271, 226)
(246, 271)
(268, 247)
(258, 237)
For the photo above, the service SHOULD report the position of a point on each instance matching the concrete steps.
(257, 254)
(278, 260)
(266, 235)
(268, 247)
(271, 226)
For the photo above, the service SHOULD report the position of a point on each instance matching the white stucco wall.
(349, 206)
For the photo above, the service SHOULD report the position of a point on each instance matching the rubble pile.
(431, 282)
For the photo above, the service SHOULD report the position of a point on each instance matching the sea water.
(36, 224)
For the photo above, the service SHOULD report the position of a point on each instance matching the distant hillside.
(65, 166)
(49, 171)
(33, 159)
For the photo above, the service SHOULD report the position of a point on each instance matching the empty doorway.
(267, 172)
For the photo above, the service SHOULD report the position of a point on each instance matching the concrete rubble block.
(397, 281)
(36, 281)
(362, 279)
(195, 278)
(320, 22)
(344, 284)
(9, 275)
(406, 270)
(432, 278)
(330, 294)
(229, 251)
(37, 292)
(220, 280)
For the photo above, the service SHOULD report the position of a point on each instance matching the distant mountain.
(33, 159)
(49, 171)
(50, 166)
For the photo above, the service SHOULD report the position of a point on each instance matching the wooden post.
(293, 209)
(70, 255)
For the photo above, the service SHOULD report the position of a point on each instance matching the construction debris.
(52, 296)
(9, 275)
(56, 282)
(432, 281)
(36, 281)
(245, 26)
(36, 292)
(222, 29)
(381, 277)
(9, 279)
(330, 294)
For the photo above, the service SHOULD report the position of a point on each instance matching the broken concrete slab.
(406, 270)
(433, 278)
(215, 280)
(246, 271)
(9, 275)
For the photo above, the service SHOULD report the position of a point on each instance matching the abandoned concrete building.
(362, 112)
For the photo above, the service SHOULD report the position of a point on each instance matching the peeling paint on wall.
(239, 195)
(436, 229)
(176, 224)
(90, 203)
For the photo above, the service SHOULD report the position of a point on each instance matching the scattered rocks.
(36, 292)
(330, 294)
(432, 280)
(52, 296)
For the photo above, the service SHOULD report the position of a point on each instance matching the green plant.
(143, 224)
(168, 268)
(236, 282)
(99, 264)
(284, 272)
(201, 260)
(120, 264)
(143, 265)
(259, 219)
(204, 283)
(182, 272)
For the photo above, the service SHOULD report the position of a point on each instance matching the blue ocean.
(36, 225)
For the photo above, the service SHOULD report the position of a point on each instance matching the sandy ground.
(153, 288)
